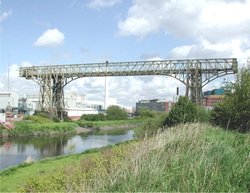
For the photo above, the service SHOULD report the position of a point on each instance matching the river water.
(16, 151)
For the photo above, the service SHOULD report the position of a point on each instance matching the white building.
(8, 99)
(72, 100)
(78, 112)
(33, 103)
(2, 116)
(76, 106)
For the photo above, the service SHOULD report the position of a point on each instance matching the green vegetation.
(116, 113)
(113, 113)
(151, 126)
(192, 157)
(38, 119)
(109, 123)
(189, 157)
(144, 112)
(94, 117)
(14, 178)
(234, 112)
(184, 111)
(25, 128)
(39, 125)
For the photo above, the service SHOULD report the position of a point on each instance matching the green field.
(187, 158)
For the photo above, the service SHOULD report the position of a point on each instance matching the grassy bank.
(15, 178)
(110, 123)
(35, 125)
(25, 128)
(193, 158)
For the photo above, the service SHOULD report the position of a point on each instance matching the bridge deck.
(138, 68)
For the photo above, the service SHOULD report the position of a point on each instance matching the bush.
(202, 114)
(42, 114)
(184, 111)
(86, 124)
(144, 112)
(234, 112)
(94, 117)
(116, 113)
(37, 119)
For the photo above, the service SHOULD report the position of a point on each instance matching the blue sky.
(46, 32)
(91, 34)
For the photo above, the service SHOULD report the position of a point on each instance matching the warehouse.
(8, 100)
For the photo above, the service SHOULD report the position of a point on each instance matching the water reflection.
(15, 151)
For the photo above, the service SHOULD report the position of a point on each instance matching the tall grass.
(193, 158)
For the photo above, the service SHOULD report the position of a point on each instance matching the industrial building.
(154, 105)
(27, 105)
(8, 105)
(212, 97)
(8, 100)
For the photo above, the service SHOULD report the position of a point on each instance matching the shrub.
(86, 124)
(37, 119)
(116, 113)
(202, 114)
(234, 112)
(94, 117)
(42, 114)
(144, 112)
(184, 111)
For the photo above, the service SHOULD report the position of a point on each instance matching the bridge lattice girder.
(194, 73)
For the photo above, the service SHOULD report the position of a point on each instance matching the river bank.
(192, 157)
(28, 128)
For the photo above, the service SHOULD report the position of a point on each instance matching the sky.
(45, 32)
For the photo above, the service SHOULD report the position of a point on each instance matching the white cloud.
(17, 84)
(50, 38)
(5, 15)
(219, 28)
(143, 87)
(99, 4)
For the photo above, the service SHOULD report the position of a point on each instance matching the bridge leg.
(194, 84)
(45, 101)
(52, 95)
(58, 97)
(196, 87)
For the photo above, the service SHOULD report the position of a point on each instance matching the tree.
(234, 112)
(184, 111)
(116, 113)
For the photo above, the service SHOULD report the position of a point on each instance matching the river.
(16, 151)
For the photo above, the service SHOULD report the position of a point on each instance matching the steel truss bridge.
(193, 73)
